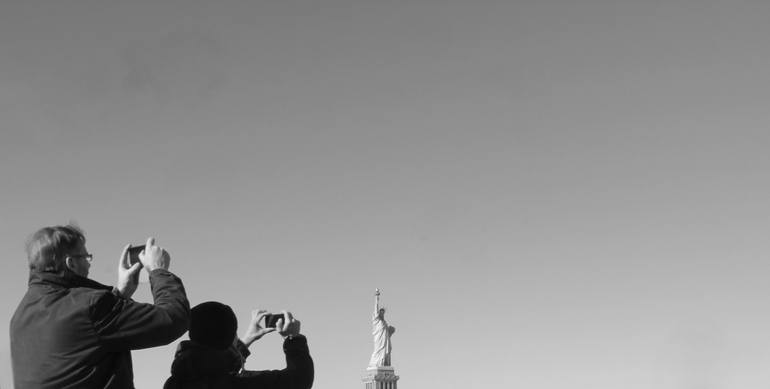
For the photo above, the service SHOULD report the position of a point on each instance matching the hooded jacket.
(197, 366)
(72, 332)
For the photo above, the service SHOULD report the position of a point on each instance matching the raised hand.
(128, 274)
(154, 257)
(288, 325)
(254, 330)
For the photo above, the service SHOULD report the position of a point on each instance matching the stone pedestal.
(382, 377)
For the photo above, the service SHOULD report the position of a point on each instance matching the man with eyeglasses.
(72, 332)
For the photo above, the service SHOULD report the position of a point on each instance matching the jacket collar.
(63, 280)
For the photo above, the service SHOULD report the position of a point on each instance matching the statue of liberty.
(382, 333)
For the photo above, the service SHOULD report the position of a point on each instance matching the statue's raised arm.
(376, 302)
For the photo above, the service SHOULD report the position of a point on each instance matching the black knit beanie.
(213, 324)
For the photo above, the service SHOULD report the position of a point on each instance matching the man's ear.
(70, 263)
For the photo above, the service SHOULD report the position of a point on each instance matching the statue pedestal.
(381, 377)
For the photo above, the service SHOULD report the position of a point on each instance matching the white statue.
(382, 333)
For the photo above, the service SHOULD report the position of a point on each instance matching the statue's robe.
(382, 347)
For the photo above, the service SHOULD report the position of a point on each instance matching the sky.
(550, 194)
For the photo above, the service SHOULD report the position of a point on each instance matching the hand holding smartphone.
(133, 257)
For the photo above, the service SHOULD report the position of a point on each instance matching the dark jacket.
(73, 332)
(199, 367)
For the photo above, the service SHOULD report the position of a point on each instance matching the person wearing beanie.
(214, 356)
(213, 324)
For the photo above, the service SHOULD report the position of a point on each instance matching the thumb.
(124, 257)
(135, 268)
(150, 242)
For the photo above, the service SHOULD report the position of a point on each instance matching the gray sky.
(549, 193)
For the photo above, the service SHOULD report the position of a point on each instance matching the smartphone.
(271, 319)
(133, 253)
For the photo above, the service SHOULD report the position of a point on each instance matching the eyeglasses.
(87, 257)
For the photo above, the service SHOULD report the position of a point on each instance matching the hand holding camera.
(154, 257)
(284, 323)
(133, 259)
(256, 331)
(128, 273)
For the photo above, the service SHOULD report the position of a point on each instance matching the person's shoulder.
(98, 302)
(90, 294)
(81, 296)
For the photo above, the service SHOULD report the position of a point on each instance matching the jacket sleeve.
(126, 324)
(242, 349)
(298, 373)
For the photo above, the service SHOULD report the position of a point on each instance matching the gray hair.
(48, 246)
